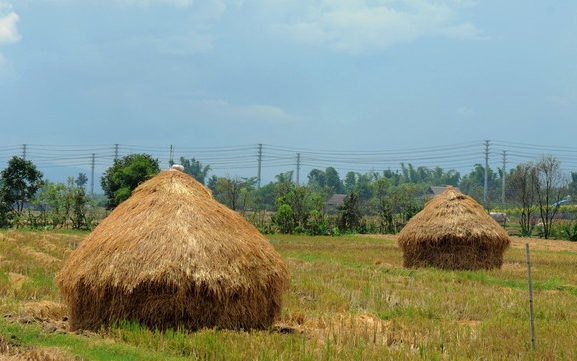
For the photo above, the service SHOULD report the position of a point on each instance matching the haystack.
(171, 256)
(453, 231)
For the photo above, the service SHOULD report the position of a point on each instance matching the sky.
(325, 75)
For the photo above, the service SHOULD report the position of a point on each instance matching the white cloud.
(8, 31)
(356, 26)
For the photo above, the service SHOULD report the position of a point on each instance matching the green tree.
(125, 175)
(53, 204)
(317, 178)
(473, 184)
(77, 202)
(235, 192)
(20, 182)
(82, 180)
(350, 218)
(334, 181)
(363, 187)
(350, 181)
(195, 168)
(384, 205)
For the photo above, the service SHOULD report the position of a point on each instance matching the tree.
(82, 180)
(333, 180)
(350, 213)
(473, 184)
(317, 178)
(295, 206)
(350, 181)
(573, 185)
(384, 205)
(195, 168)
(20, 182)
(550, 187)
(234, 192)
(520, 192)
(286, 177)
(125, 175)
(53, 204)
(77, 201)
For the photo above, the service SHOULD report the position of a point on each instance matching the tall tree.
(125, 175)
(317, 178)
(520, 191)
(333, 180)
(82, 180)
(350, 218)
(550, 188)
(350, 181)
(20, 182)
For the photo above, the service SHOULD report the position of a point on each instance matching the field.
(349, 299)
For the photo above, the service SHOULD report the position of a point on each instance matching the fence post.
(531, 312)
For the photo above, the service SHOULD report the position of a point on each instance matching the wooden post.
(531, 313)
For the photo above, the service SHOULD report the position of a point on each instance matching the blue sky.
(347, 75)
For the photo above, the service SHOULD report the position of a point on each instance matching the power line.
(257, 157)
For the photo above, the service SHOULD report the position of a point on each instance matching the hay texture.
(453, 231)
(173, 257)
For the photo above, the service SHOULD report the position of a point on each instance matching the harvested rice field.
(349, 299)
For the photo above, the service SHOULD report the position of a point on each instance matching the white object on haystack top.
(177, 167)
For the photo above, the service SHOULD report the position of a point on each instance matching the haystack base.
(452, 256)
(165, 308)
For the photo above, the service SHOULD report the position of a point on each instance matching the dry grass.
(350, 299)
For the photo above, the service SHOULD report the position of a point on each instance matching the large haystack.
(453, 231)
(172, 257)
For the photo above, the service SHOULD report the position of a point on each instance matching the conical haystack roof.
(173, 257)
(453, 231)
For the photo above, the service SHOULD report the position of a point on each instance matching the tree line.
(371, 202)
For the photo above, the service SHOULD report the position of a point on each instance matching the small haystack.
(173, 257)
(453, 231)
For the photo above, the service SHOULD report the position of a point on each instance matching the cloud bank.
(359, 26)
(8, 19)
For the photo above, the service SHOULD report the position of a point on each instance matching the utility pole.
(24, 151)
(486, 185)
(115, 151)
(92, 175)
(298, 167)
(504, 175)
(171, 160)
(259, 159)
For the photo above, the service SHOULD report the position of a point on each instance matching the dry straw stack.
(172, 257)
(453, 231)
